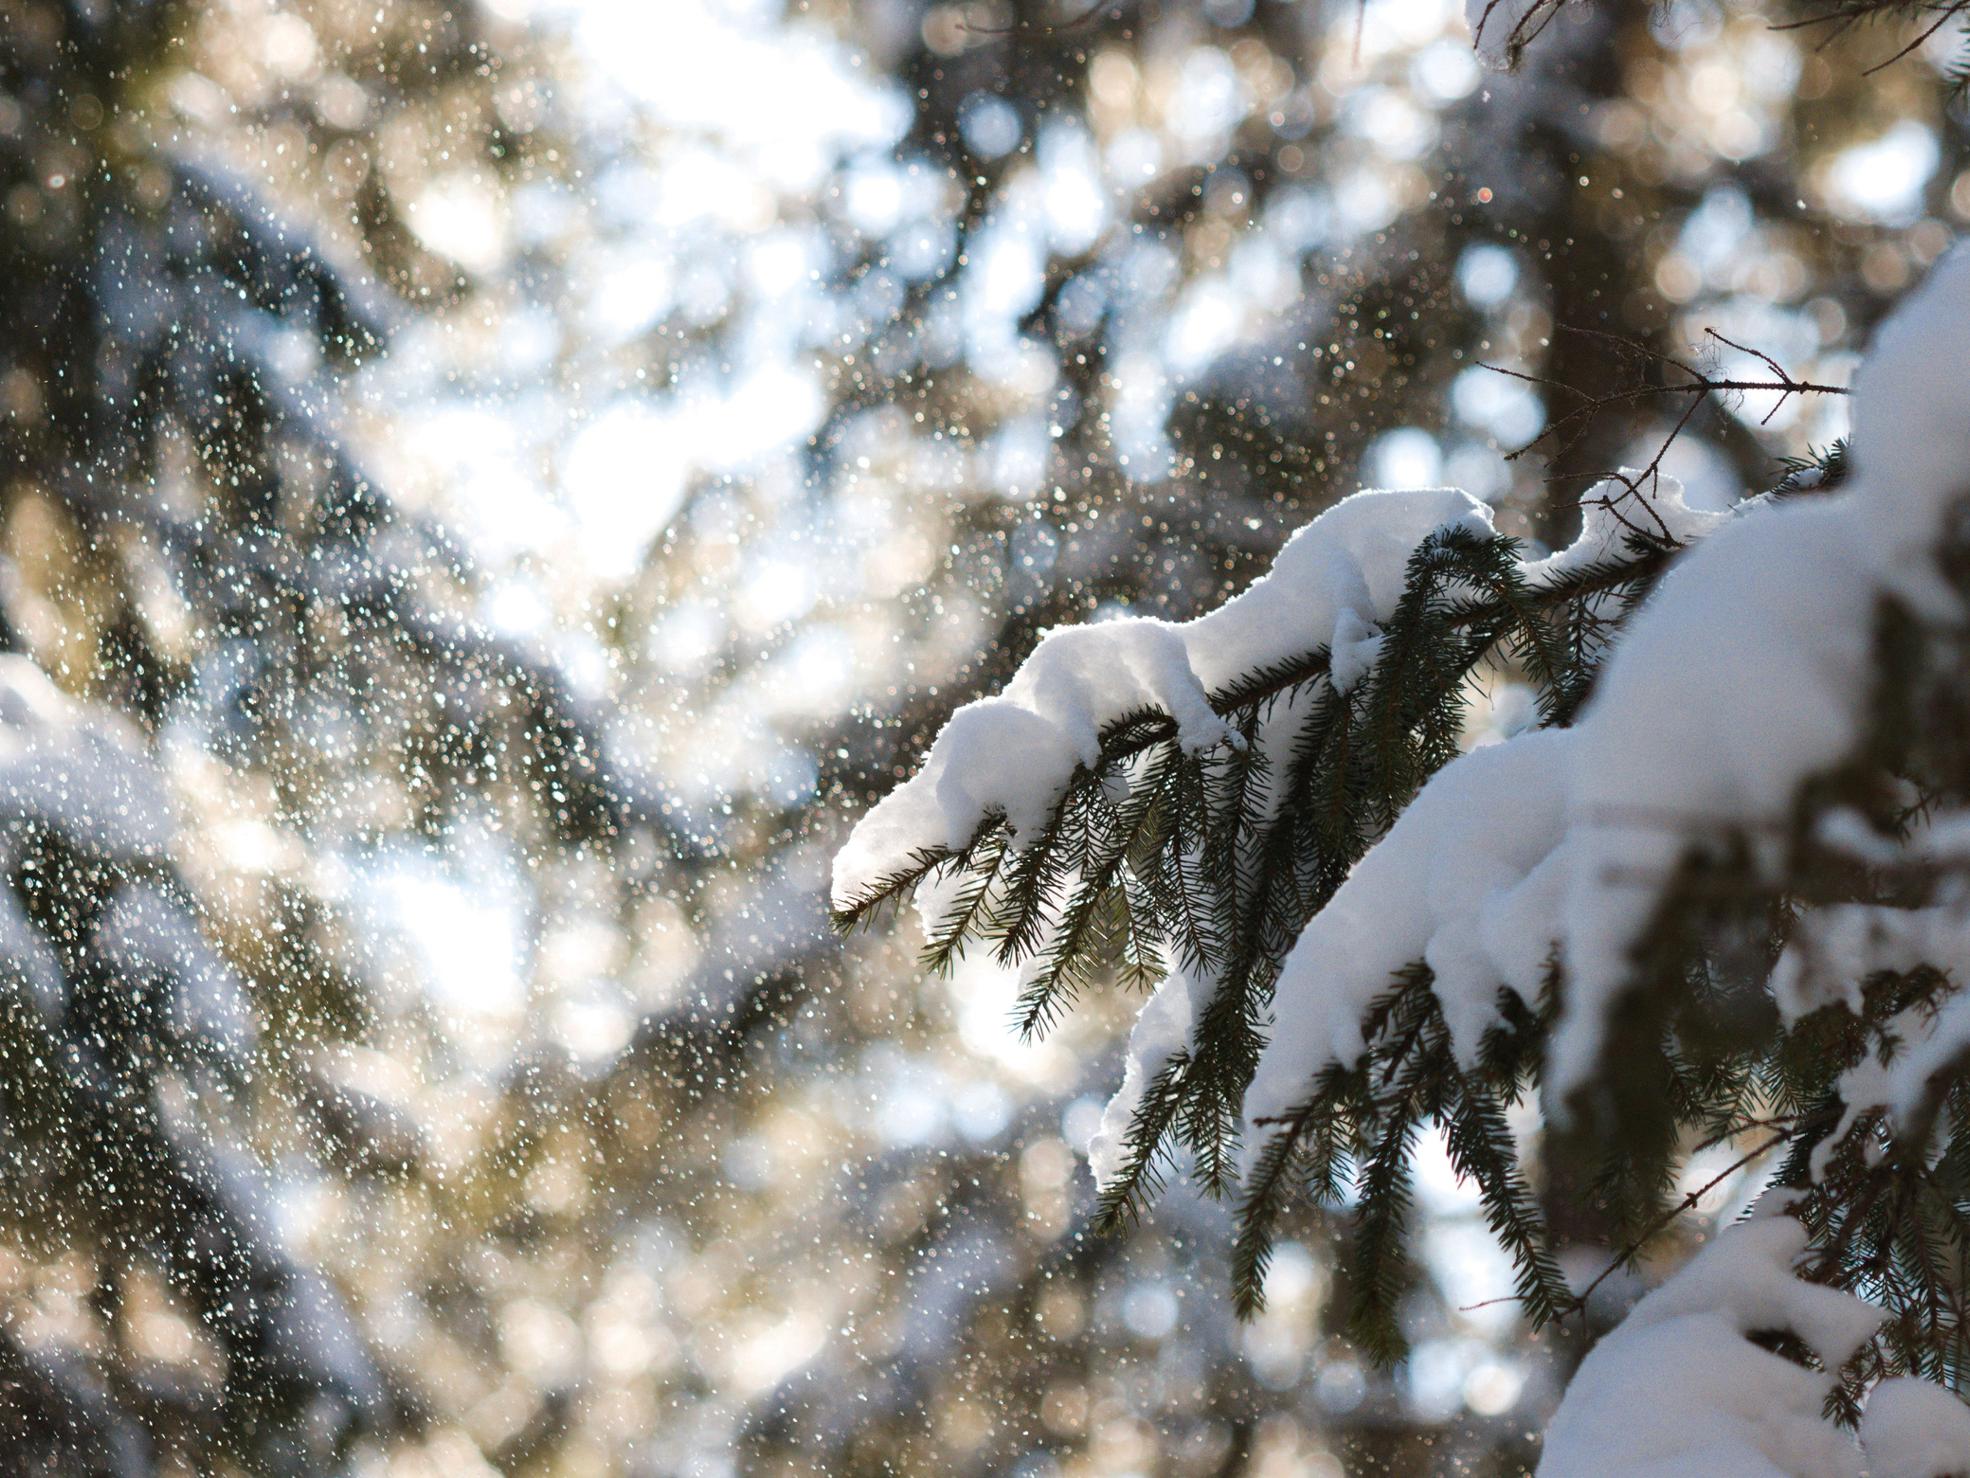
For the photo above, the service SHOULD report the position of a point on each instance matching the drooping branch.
(1500, 611)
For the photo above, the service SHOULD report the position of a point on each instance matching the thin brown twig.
(1776, 368)
(1523, 32)
(1949, 13)
(1687, 1203)
(1568, 426)
(1771, 1122)
(1489, 1303)
(1841, 19)
(1631, 345)
(1626, 1255)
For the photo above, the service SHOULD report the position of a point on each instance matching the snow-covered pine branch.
(1721, 884)
(1680, 1387)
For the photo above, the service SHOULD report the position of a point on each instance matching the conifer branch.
(1131, 737)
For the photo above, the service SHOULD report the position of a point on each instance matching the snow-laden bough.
(1542, 861)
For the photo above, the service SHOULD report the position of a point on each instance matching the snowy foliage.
(420, 1051)
(1012, 757)
(1717, 890)
(1680, 1387)
(137, 1022)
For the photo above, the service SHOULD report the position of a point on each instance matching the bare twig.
(1627, 1253)
(1527, 29)
(1566, 429)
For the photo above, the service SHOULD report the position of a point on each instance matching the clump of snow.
(1162, 1027)
(83, 775)
(1911, 415)
(79, 773)
(1915, 1429)
(1013, 755)
(1935, 1045)
(1458, 884)
(1352, 559)
(1679, 1388)
(1747, 673)
(1471, 878)
(1836, 947)
(1352, 656)
(1616, 510)
(1751, 669)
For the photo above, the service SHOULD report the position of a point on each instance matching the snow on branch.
(79, 774)
(1010, 758)
(1749, 673)
(101, 926)
(1754, 672)
(1090, 698)
(1691, 1381)
(1721, 885)
(1679, 1387)
(1178, 801)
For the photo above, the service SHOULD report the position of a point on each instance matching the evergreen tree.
(1266, 433)
(311, 1223)
(249, 631)
(1707, 900)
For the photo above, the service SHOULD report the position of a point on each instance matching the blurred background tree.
(485, 488)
